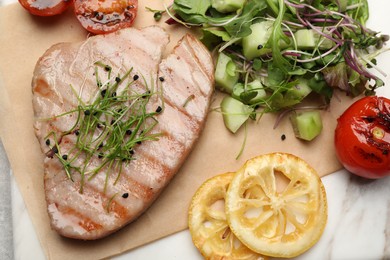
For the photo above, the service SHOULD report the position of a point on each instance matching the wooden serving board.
(25, 38)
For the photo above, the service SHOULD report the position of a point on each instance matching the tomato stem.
(378, 132)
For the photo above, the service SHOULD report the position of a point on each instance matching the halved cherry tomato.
(362, 137)
(103, 16)
(45, 7)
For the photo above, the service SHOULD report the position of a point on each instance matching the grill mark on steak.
(107, 202)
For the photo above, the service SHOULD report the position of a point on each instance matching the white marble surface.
(6, 238)
(358, 226)
(359, 210)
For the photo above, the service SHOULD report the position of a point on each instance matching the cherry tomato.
(362, 137)
(103, 16)
(45, 7)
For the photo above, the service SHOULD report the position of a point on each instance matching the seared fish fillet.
(90, 193)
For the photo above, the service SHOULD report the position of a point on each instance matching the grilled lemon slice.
(208, 226)
(272, 220)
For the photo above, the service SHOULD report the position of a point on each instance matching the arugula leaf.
(239, 27)
(192, 11)
(276, 37)
(192, 7)
(219, 33)
(211, 37)
(341, 64)
(200, 12)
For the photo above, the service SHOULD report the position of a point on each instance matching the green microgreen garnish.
(273, 54)
(340, 48)
(106, 130)
(109, 203)
(157, 14)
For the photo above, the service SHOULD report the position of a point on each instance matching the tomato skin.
(104, 16)
(362, 137)
(45, 7)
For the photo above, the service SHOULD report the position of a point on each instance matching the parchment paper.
(24, 38)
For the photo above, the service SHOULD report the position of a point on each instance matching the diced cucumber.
(297, 93)
(235, 113)
(310, 39)
(226, 75)
(238, 89)
(257, 87)
(292, 96)
(253, 45)
(227, 6)
(307, 125)
(253, 93)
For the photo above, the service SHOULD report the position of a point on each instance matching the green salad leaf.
(192, 11)
(239, 27)
(282, 43)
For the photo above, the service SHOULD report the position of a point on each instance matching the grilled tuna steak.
(116, 123)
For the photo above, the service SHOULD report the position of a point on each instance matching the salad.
(272, 54)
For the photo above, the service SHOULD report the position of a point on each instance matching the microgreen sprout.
(107, 129)
(294, 48)
(339, 30)
(157, 14)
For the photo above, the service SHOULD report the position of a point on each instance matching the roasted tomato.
(362, 137)
(103, 16)
(45, 7)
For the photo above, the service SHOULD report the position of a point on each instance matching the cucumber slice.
(257, 87)
(226, 75)
(309, 39)
(235, 113)
(253, 93)
(238, 89)
(293, 96)
(253, 45)
(307, 125)
(297, 93)
(227, 6)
